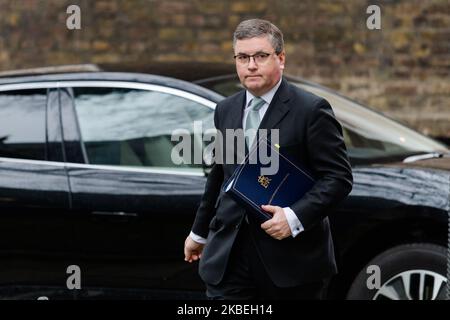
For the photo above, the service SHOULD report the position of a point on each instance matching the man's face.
(258, 78)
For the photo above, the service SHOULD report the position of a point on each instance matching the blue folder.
(251, 189)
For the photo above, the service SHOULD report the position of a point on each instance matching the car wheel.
(407, 272)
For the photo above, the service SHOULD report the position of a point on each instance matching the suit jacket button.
(238, 225)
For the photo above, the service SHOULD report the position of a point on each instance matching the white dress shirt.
(294, 223)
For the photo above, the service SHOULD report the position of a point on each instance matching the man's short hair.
(257, 28)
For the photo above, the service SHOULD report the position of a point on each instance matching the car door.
(133, 196)
(34, 191)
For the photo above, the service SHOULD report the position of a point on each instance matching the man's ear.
(282, 57)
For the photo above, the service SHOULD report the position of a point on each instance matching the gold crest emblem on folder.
(264, 181)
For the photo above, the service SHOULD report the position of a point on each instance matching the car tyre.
(414, 271)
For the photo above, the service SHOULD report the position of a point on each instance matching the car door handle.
(115, 213)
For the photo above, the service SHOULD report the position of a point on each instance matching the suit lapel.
(278, 108)
(237, 111)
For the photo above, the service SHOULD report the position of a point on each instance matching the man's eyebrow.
(248, 54)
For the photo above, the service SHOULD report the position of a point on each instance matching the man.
(290, 256)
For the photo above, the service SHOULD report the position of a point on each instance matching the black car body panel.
(125, 227)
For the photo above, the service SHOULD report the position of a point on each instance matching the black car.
(87, 179)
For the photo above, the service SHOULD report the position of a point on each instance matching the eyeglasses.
(258, 58)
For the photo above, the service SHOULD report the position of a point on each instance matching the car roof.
(184, 70)
(53, 75)
(50, 70)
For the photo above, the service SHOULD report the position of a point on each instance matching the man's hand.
(192, 250)
(277, 227)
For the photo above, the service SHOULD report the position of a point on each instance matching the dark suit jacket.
(310, 132)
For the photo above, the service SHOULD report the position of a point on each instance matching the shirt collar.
(267, 97)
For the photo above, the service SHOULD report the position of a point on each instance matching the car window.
(131, 127)
(370, 135)
(22, 124)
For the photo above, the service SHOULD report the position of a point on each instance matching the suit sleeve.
(206, 209)
(328, 158)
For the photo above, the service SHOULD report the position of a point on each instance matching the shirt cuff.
(293, 221)
(197, 238)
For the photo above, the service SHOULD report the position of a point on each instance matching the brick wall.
(402, 70)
